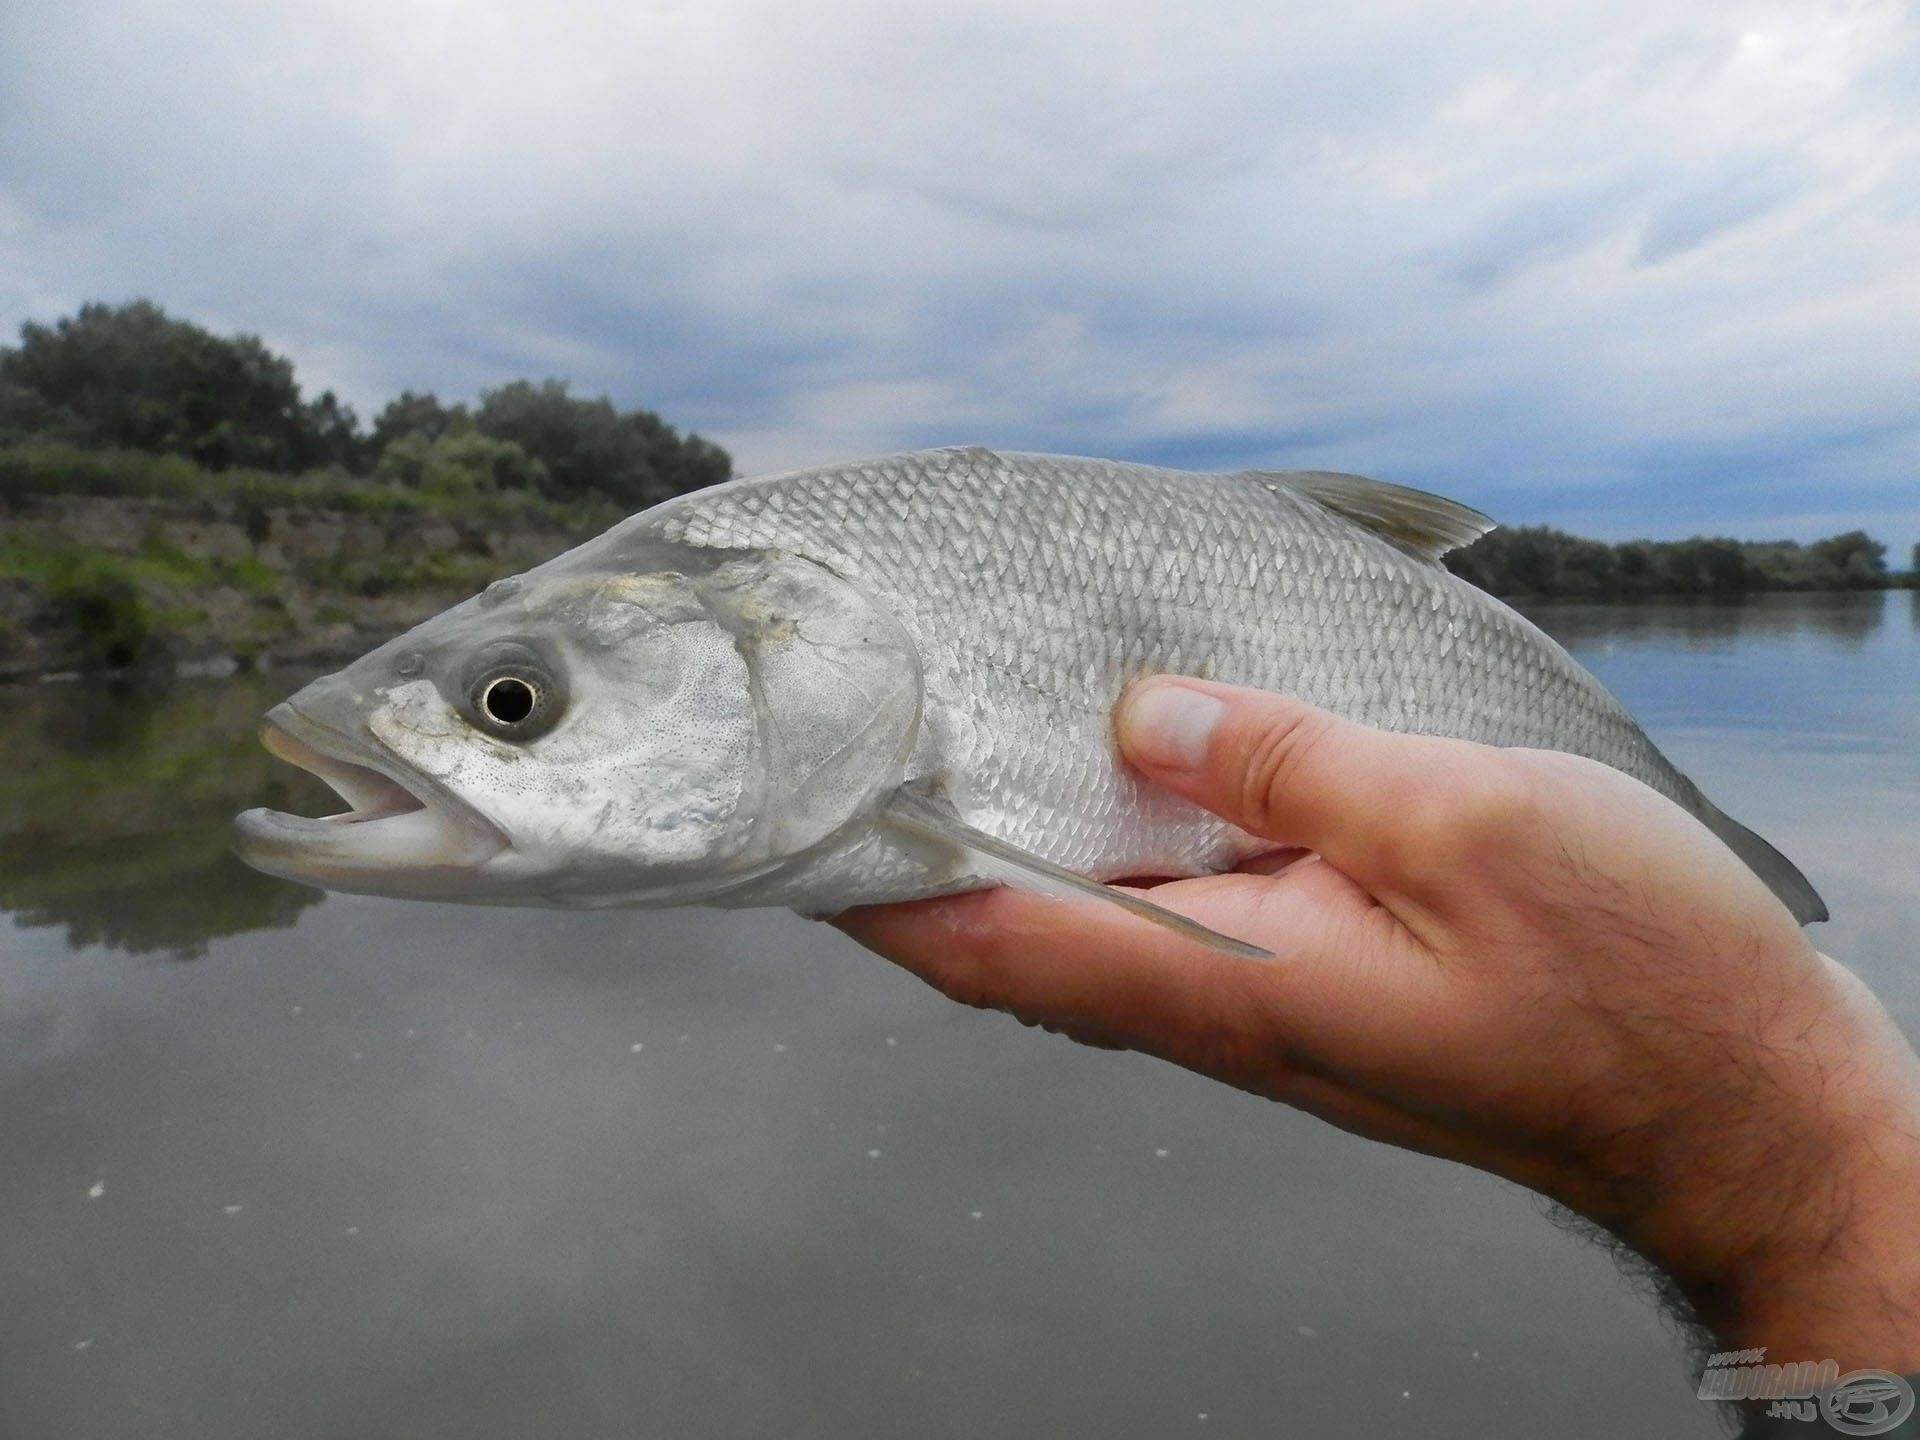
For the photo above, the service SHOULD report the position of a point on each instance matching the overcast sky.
(1620, 266)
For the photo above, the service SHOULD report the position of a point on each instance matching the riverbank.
(245, 581)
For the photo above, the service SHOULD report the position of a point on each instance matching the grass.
(47, 469)
(98, 593)
(125, 605)
(397, 572)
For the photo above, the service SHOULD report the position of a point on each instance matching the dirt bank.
(94, 582)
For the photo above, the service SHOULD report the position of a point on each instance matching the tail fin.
(1781, 874)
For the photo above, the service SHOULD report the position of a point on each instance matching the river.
(276, 1163)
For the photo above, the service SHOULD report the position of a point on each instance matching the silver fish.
(894, 678)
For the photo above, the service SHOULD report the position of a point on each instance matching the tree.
(132, 376)
(1852, 561)
(334, 437)
(409, 413)
(26, 414)
(1705, 565)
(459, 462)
(1633, 565)
(588, 447)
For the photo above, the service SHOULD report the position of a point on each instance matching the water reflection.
(1849, 618)
(114, 810)
(415, 1169)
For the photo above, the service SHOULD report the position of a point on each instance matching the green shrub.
(103, 602)
(52, 469)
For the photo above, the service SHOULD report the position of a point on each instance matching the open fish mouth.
(401, 834)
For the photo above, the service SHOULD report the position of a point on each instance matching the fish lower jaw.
(390, 841)
(379, 854)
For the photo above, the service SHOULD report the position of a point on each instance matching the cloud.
(1540, 228)
(1743, 191)
(1515, 251)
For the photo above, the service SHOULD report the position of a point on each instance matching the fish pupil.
(509, 701)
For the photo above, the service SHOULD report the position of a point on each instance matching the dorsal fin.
(1419, 522)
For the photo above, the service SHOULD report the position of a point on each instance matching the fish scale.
(1127, 569)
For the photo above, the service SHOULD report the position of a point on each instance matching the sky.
(1628, 268)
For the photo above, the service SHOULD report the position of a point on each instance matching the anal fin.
(921, 820)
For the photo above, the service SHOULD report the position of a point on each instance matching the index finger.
(1388, 809)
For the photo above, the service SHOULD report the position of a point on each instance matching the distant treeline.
(132, 378)
(125, 399)
(1538, 561)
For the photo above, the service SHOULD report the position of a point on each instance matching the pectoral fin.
(921, 820)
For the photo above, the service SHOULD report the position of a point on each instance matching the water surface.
(285, 1164)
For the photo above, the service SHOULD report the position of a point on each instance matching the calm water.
(279, 1164)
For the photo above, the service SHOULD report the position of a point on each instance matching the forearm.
(1855, 1300)
(1808, 1244)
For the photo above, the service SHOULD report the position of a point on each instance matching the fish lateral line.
(919, 818)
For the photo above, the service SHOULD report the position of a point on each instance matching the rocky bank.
(94, 582)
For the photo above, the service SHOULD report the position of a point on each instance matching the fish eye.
(509, 700)
(512, 695)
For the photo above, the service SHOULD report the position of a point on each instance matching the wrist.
(1800, 1233)
(1844, 1284)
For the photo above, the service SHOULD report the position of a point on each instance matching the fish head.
(585, 735)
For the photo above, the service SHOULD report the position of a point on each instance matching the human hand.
(1519, 959)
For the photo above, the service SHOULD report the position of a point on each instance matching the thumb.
(1291, 772)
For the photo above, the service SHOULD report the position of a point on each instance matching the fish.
(894, 678)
